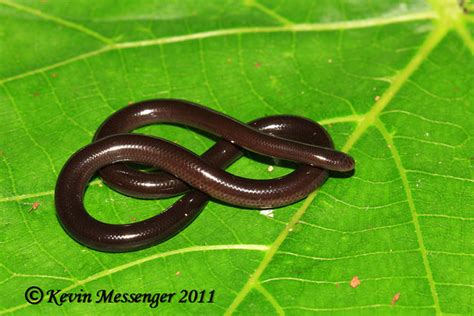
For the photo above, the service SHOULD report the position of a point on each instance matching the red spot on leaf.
(34, 206)
(54, 75)
(395, 298)
(258, 65)
(355, 282)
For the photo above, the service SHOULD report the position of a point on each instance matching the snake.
(115, 149)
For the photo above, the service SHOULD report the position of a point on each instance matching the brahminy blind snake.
(286, 137)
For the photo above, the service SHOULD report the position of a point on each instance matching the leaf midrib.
(367, 121)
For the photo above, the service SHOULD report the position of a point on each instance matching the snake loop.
(285, 137)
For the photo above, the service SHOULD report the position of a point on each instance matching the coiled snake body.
(286, 137)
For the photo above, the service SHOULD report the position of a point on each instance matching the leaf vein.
(406, 185)
(128, 265)
(368, 254)
(316, 27)
(57, 20)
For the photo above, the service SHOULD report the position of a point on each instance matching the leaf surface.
(391, 81)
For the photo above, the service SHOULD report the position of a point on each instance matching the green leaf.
(391, 81)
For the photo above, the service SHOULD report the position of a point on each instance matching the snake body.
(285, 137)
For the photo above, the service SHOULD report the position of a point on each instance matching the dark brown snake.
(202, 177)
